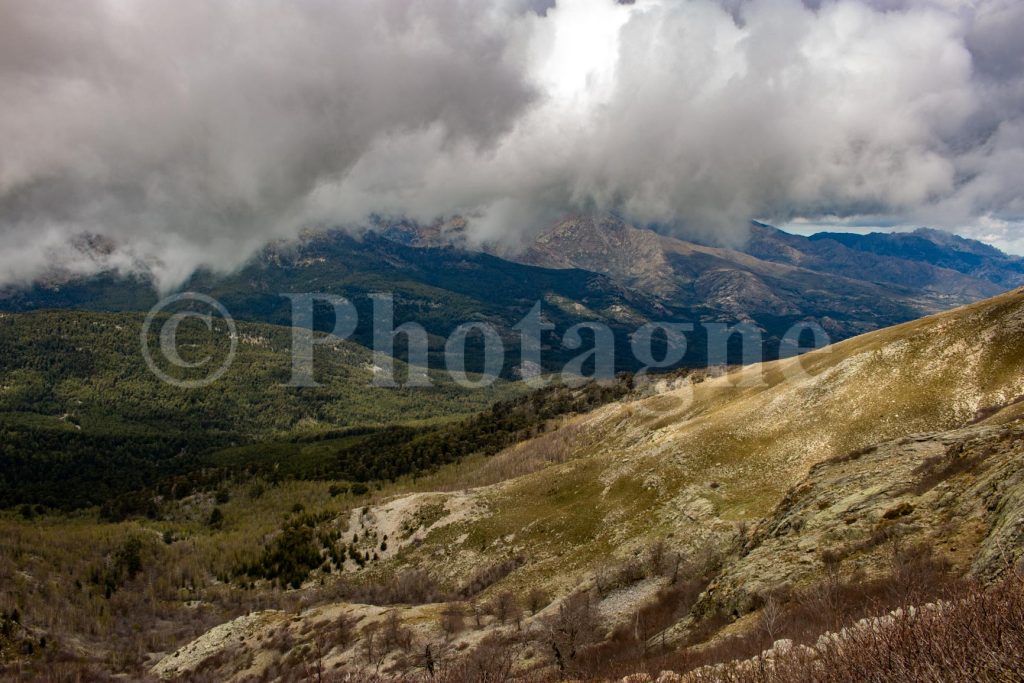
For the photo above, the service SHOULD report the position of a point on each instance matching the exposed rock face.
(959, 491)
(740, 293)
(946, 268)
(220, 639)
(605, 244)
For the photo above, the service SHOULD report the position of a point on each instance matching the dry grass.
(62, 574)
(976, 636)
(553, 447)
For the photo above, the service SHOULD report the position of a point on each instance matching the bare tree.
(315, 669)
(492, 660)
(772, 618)
(429, 663)
(453, 618)
(572, 628)
(394, 634)
(478, 615)
(504, 606)
(657, 558)
(536, 600)
(370, 641)
(344, 629)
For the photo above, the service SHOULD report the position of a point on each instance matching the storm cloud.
(191, 133)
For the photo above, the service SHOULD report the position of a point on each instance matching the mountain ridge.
(442, 287)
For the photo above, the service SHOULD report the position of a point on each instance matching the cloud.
(191, 133)
(195, 130)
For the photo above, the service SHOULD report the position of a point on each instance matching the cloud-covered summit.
(192, 132)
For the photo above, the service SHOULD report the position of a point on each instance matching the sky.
(191, 133)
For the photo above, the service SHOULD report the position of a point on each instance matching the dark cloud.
(191, 133)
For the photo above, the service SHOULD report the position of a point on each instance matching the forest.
(84, 423)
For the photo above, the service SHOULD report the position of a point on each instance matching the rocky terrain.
(757, 483)
(778, 272)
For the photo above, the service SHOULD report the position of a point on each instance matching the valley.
(512, 341)
(661, 517)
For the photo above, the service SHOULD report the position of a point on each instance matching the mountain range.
(584, 268)
(798, 511)
(782, 273)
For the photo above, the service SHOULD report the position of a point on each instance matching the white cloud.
(193, 132)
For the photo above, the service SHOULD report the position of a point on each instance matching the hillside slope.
(437, 288)
(718, 468)
(959, 493)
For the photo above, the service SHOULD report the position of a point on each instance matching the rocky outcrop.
(959, 491)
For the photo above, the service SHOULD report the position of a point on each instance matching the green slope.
(81, 412)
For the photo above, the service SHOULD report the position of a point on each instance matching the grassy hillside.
(697, 460)
(654, 529)
(695, 466)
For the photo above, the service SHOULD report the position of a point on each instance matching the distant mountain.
(438, 288)
(777, 275)
(585, 268)
(938, 264)
(929, 269)
(940, 249)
